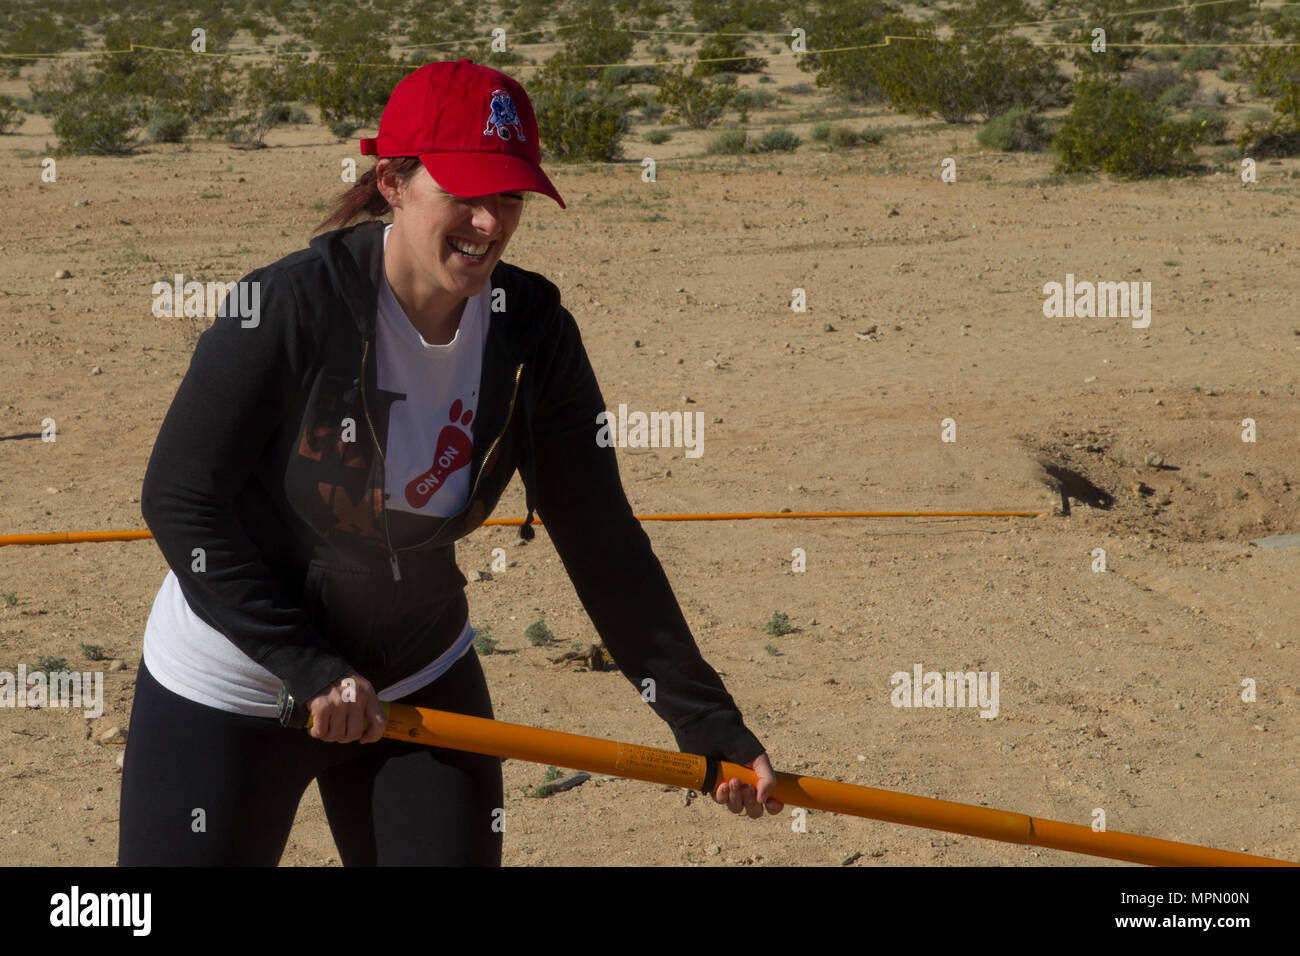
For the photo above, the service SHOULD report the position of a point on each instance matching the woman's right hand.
(341, 720)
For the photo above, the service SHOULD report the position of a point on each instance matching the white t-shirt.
(427, 472)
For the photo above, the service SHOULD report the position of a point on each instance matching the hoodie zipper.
(392, 554)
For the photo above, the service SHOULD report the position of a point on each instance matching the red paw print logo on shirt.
(453, 452)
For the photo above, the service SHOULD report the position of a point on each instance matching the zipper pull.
(397, 572)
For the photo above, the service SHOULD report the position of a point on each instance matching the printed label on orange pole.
(660, 766)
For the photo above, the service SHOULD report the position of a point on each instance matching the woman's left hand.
(738, 796)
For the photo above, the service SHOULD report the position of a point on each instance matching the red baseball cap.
(472, 127)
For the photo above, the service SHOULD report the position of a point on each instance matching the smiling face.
(443, 248)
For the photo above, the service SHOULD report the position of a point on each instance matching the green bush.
(623, 75)
(851, 23)
(746, 100)
(1208, 125)
(658, 136)
(11, 116)
(591, 35)
(353, 85)
(974, 75)
(1117, 130)
(101, 128)
(727, 49)
(1017, 130)
(538, 634)
(578, 122)
(1155, 81)
(731, 142)
(978, 72)
(484, 642)
(1276, 73)
(1203, 58)
(762, 15)
(35, 31)
(1267, 139)
(167, 125)
(843, 138)
(1203, 22)
(1177, 95)
(653, 109)
(696, 101)
(820, 132)
(872, 137)
(778, 140)
(1161, 54)
(1122, 28)
(779, 625)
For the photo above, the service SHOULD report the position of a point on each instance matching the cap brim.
(481, 174)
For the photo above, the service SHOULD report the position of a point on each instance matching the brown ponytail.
(364, 198)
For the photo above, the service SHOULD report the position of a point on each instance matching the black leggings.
(389, 803)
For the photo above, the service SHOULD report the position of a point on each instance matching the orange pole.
(68, 537)
(440, 728)
(71, 537)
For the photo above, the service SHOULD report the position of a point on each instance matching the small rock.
(82, 202)
(96, 371)
(1139, 489)
(559, 786)
(636, 343)
(113, 735)
(1178, 706)
(121, 762)
(681, 288)
(713, 849)
(63, 274)
(115, 665)
(481, 576)
(1154, 460)
(717, 421)
(1090, 378)
(687, 400)
(850, 858)
(828, 327)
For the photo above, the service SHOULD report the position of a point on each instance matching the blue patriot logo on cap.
(502, 116)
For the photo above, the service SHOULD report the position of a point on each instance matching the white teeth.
(468, 248)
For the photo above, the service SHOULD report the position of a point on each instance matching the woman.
(320, 459)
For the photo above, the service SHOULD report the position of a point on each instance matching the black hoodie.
(265, 492)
